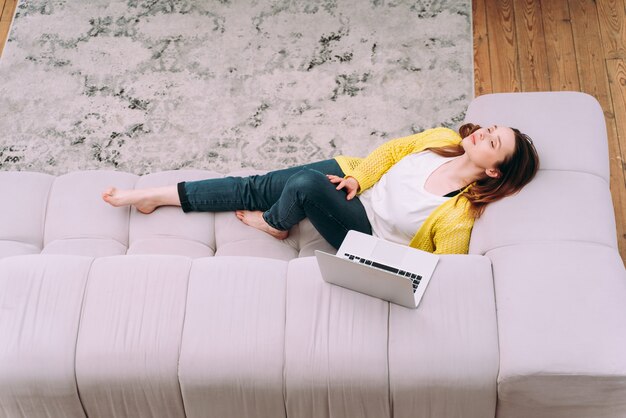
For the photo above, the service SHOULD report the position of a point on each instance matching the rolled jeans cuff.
(182, 195)
(271, 224)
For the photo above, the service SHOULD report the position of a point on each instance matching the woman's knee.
(308, 181)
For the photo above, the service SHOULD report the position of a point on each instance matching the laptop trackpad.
(387, 253)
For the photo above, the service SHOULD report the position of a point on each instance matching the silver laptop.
(386, 270)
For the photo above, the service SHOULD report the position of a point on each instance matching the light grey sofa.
(106, 312)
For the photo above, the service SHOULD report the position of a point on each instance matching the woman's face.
(488, 147)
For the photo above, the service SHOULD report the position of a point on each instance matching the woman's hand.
(350, 183)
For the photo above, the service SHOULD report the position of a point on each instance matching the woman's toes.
(240, 215)
(255, 220)
(116, 197)
(107, 195)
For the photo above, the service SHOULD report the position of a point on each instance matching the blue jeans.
(286, 197)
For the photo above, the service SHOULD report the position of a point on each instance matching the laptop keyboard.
(415, 278)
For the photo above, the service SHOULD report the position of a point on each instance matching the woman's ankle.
(166, 196)
(144, 200)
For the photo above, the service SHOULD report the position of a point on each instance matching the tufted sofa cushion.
(40, 299)
(23, 211)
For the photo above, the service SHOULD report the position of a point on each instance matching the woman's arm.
(379, 161)
(454, 240)
(451, 232)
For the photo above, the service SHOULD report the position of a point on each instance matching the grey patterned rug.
(149, 85)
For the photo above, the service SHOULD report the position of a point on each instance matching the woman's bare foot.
(255, 220)
(138, 198)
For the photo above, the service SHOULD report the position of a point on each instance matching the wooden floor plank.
(4, 34)
(589, 55)
(6, 16)
(482, 65)
(8, 10)
(592, 72)
(560, 50)
(531, 46)
(616, 69)
(505, 75)
(612, 16)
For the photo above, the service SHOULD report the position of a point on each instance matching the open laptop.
(386, 270)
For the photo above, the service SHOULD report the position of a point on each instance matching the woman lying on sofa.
(423, 190)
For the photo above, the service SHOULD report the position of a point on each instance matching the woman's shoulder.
(432, 138)
(456, 207)
(442, 133)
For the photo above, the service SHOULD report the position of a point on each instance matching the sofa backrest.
(569, 199)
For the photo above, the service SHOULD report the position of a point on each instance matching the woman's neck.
(462, 172)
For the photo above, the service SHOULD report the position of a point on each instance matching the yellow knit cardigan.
(448, 228)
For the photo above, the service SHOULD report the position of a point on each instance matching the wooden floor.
(7, 10)
(555, 45)
(543, 45)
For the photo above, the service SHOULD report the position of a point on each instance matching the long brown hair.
(517, 170)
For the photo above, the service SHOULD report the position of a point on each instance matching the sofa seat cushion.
(40, 305)
(231, 358)
(168, 230)
(234, 238)
(76, 212)
(169, 245)
(23, 211)
(562, 327)
(443, 356)
(335, 348)
(10, 248)
(129, 339)
(88, 247)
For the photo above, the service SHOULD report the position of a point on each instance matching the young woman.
(423, 190)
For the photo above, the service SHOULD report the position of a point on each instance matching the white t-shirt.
(397, 205)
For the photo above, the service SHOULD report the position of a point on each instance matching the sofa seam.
(495, 309)
(171, 237)
(45, 212)
(389, 395)
(182, 331)
(19, 242)
(285, 341)
(529, 243)
(543, 374)
(130, 214)
(577, 171)
(94, 238)
(80, 321)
